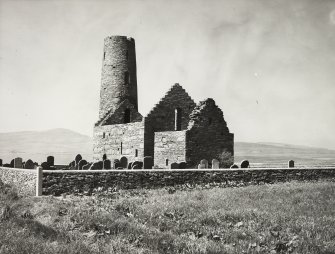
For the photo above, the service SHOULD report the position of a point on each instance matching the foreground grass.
(282, 218)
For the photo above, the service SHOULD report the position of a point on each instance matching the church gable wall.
(208, 135)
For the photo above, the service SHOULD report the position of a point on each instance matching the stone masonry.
(176, 130)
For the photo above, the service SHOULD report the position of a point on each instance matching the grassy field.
(282, 218)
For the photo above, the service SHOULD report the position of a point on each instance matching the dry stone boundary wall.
(87, 182)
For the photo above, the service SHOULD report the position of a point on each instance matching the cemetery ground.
(293, 217)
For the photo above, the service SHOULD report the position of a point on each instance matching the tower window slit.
(177, 119)
(126, 118)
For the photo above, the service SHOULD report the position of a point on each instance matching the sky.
(268, 64)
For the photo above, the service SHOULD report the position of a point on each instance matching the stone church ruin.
(176, 130)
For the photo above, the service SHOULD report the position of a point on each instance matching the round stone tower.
(118, 77)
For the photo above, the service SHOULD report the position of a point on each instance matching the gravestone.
(87, 166)
(148, 162)
(104, 157)
(135, 166)
(11, 163)
(81, 164)
(201, 166)
(45, 165)
(138, 164)
(215, 164)
(18, 162)
(124, 162)
(182, 165)
(100, 165)
(96, 165)
(174, 165)
(107, 164)
(72, 164)
(51, 160)
(29, 164)
(204, 162)
(0, 162)
(77, 159)
(6, 165)
(234, 166)
(35, 164)
(245, 164)
(129, 165)
(291, 163)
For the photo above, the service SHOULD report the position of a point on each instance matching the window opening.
(126, 118)
(177, 119)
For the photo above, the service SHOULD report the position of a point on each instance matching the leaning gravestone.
(215, 164)
(18, 162)
(107, 164)
(51, 160)
(245, 164)
(182, 165)
(174, 165)
(124, 162)
(234, 166)
(129, 165)
(204, 162)
(81, 164)
(291, 163)
(29, 164)
(148, 162)
(77, 159)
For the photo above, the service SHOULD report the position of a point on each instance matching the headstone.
(139, 164)
(29, 164)
(87, 166)
(291, 163)
(77, 159)
(6, 165)
(245, 164)
(0, 162)
(234, 166)
(107, 164)
(124, 162)
(51, 160)
(182, 165)
(45, 165)
(215, 164)
(148, 162)
(129, 165)
(35, 164)
(100, 165)
(104, 157)
(18, 162)
(201, 166)
(116, 163)
(12, 163)
(204, 162)
(174, 165)
(81, 164)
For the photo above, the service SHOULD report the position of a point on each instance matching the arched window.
(126, 78)
(136, 153)
(177, 119)
(126, 117)
(167, 162)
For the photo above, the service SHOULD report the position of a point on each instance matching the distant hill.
(66, 144)
(63, 144)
